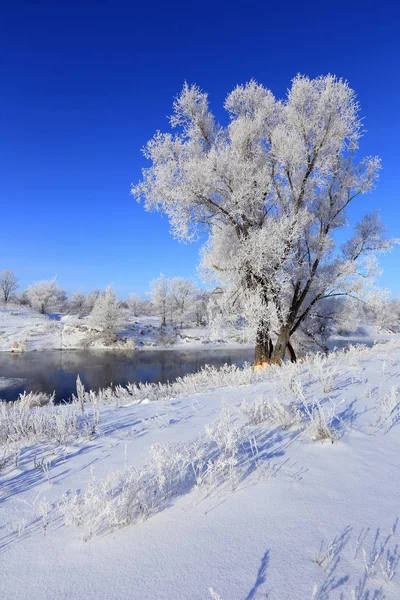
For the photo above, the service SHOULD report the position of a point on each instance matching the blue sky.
(86, 84)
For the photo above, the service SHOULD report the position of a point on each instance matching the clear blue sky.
(85, 84)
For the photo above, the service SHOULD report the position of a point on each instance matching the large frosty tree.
(271, 189)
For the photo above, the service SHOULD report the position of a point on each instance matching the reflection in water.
(58, 370)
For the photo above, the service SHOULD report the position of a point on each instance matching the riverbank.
(25, 330)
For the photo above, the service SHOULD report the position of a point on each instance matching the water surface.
(56, 370)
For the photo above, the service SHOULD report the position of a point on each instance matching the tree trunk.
(292, 353)
(264, 348)
(282, 345)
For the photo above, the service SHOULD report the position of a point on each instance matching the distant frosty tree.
(45, 296)
(182, 297)
(8, 285)
(107, 316)
(160, 297)
(78, 304)
(134, 304)
(387, 315)
(200, 305)
(271, 189)
(22, 298)
(91, 300)
(147, 308)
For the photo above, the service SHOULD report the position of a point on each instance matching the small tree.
(91, 300)
(135, 304)
(182, 296)
(78, 304)
(160, 297)
(147, 308)
(8, 285)
(45, 296)
(22, 298)
(387, 315)
(107, 316)
(200, 306)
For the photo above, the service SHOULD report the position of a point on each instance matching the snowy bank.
(23, 330)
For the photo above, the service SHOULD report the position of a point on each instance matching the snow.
(263, 536)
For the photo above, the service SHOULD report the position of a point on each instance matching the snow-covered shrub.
(81, 395)
(228, 438)
(324, 372)
(225, 433)
(128, 495)
(31, 399)
(328, 378)
(389, 409)
(18, 346)
(34, 418)
(372, 556)
(271, 412)
(22, 423)
(352, 353)
(319, 361)
(208, 378)
(320, 421)
(169, 465)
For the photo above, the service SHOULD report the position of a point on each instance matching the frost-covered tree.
(107, 316)
(8, 285)
(134, 304)
(271, 189)
(387, 315)
(200, 305)
(160, 297)
(45, 296)
(147, 308)
(78, 304)
(91, 300)
(182, 297)
(22, 298)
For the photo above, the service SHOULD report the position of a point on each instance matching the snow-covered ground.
(23, 330)
(244, 499)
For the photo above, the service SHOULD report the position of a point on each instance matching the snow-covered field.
(23, 330)
(280, 484)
